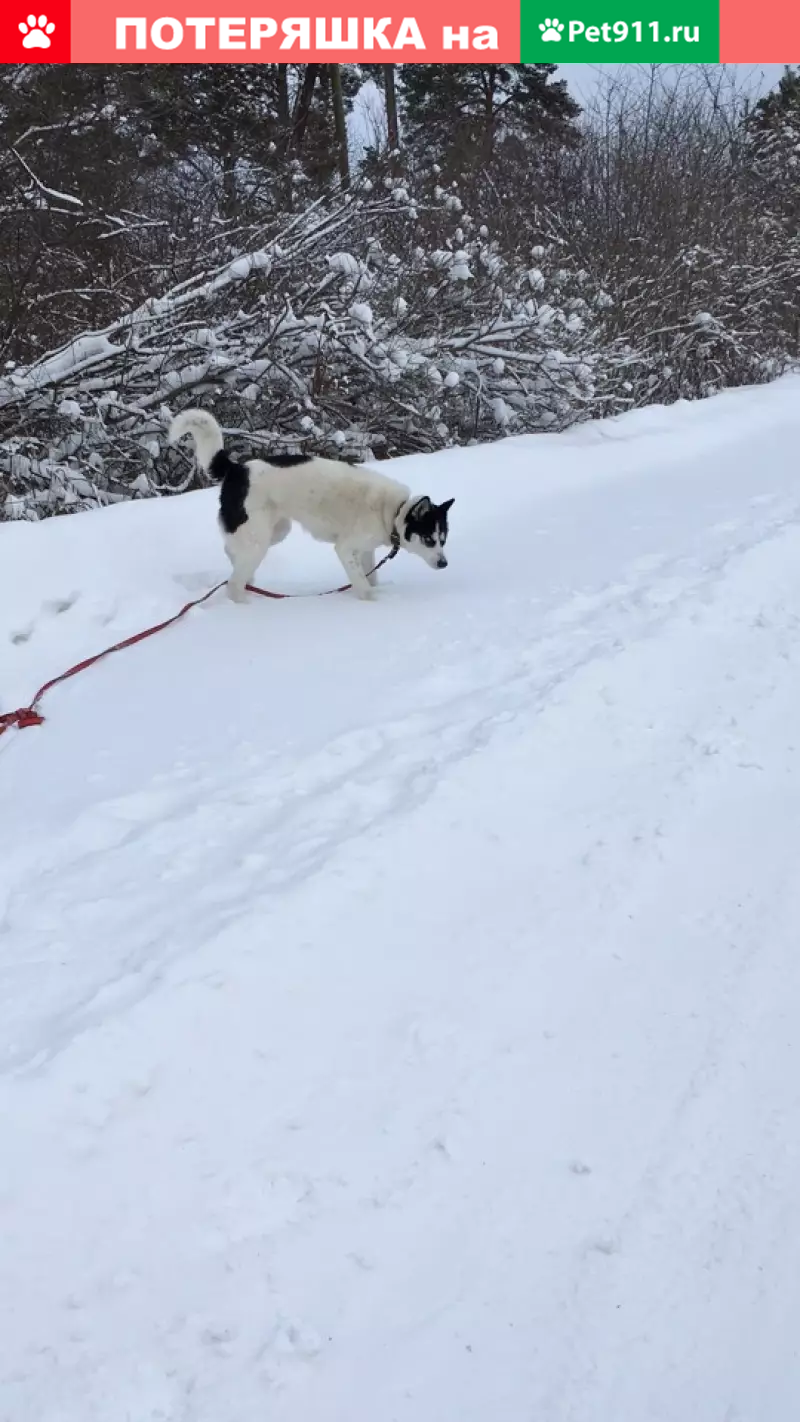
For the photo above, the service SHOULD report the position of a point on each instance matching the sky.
(367, 122)
(583, 79)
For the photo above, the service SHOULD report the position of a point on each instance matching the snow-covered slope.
(400, 1001)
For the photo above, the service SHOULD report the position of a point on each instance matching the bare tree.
(302, 109)
(390, 92)
(340, 124)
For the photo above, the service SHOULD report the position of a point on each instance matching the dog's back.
(327, 497)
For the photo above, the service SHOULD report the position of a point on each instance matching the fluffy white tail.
(204, 430)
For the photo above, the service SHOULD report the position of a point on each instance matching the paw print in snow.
(36, 33)
(551, 29)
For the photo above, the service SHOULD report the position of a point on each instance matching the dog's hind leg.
(245, 549)
(368, 561)
(351, 560)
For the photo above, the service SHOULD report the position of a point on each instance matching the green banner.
(619, 31)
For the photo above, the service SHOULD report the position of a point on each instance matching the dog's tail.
(205, 432)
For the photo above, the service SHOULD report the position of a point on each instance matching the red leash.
(30, 716)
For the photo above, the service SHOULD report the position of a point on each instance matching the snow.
(345, 263)
(80, 354)
(361, 311)
(459, 270)
(400, 1000)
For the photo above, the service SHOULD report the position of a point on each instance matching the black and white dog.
(355, 509)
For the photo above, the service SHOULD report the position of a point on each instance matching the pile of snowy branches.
(656, 260)
(377, 322)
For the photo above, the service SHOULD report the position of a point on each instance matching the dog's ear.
(422, 507)
(448, 504)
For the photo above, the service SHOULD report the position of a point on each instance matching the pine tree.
(464, 110)
(318, 122)
(773, 150)
(230, 118)
(781, 107)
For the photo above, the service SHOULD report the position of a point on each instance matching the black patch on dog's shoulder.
(235, 487)
(220, 465)
(236, 483)
(287, 461)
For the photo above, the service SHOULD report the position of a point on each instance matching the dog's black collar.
(395, 538)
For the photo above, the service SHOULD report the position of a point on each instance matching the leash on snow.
(31, 716)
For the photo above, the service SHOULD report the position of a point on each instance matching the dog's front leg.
(368, 561)
(350, 559)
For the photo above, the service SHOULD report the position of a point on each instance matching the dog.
(355, 509)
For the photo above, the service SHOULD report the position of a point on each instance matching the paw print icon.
(551, 29)
(36, 32)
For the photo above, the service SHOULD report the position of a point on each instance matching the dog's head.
(422, 529)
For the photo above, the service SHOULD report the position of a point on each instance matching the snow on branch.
(368, 349)
(41, 189)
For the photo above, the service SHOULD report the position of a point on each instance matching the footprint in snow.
(195, 582)
(54, 607)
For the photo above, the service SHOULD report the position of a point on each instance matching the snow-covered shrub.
(453, 344)
(653, 256)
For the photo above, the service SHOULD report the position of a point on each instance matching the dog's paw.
(236, 593)
(364, 594)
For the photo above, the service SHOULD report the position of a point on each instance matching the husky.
(355, 509)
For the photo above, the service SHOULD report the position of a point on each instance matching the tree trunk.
(303, 105)
(229, 193)
(340, 124)
(488, 112)
(391, 107)
(283, 94)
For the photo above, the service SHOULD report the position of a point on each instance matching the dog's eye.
(430, 541)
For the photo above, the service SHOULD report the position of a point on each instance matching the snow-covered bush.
(513, 274)
(371, 326)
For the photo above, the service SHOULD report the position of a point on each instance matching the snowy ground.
(400, 1002)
